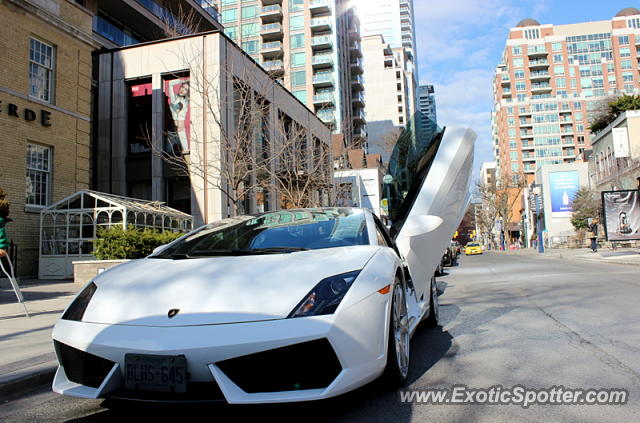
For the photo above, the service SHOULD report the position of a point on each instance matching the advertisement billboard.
(563, 187)
(177, 120)
(621, 214)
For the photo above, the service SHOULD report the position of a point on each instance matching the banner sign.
(620, 142)
(621, 214)
(563, 187)
(177, 121)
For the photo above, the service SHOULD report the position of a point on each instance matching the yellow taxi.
(472, 248)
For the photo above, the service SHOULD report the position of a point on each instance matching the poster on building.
(621, 214)
(563, 187)
(177, 118)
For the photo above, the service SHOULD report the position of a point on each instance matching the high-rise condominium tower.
(551, 80)
(312, 47)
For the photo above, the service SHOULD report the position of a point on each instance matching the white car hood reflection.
(216, 290)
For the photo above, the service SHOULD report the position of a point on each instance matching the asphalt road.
(506, 320)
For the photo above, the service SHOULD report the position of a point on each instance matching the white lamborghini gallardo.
(290, 305)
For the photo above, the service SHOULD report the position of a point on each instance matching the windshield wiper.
(172, 256)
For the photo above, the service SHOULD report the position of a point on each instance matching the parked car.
(289, 305)
(473, 248)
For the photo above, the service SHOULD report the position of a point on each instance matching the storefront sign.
(44, 116)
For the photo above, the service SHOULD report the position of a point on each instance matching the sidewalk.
(27, 359)
(628, 256)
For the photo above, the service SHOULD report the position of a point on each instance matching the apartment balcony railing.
(359, 116)
(322, 60)
(271, 30)
(322, 41)
(273, 66)
(539, 75)
(320, 24)
(358, 99)
(272, 13)
(323, 79)
(356, 65)
(320, 6)
(357, 82)
(538, 63)
(272, 49)
(537, 51)
(324, 98)
(540, 87)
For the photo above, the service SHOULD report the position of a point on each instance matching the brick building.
(45, 106)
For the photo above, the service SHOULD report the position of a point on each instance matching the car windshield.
(473, 244)
(276, 232)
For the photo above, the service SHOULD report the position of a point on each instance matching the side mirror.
(421, 224)
(158, 248)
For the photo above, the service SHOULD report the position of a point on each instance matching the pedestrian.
(593, 234)
(4, 213)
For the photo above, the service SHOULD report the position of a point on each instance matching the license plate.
(163, 373)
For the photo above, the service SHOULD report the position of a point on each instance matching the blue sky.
(461, 41)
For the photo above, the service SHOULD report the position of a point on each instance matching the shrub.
(117, 244)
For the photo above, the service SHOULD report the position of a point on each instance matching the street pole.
(538, 224)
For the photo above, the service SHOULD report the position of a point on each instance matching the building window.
(518, 63)
(297, 40)
(623, 40)
(625, 52)
(298, 79)
(556, 46)
(516, 51)
(296, 22)
(296, 5)
(41, 62)
(298, 59)
(558, 70)
(249, 12)
(231, 31)
(229, 15)
(634, 23)
(532, 34)
(250, 30)
(38, 175)
(300, 95)
(519, 74)
(250, 47)
(625, 64)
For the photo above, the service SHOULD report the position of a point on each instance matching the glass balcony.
(323, 41)
(274, 66)
(271, 30)
(272, 49)
(320, 24)
(322, 60)
(323, 79)
(357, 82)
(271, 13)
(324, 98)
(320, 6)
(358, 99)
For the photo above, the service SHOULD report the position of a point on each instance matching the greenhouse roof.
(91, 200)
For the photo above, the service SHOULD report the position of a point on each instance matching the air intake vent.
(308, 365)
(81, 367)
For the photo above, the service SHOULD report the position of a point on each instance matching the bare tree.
(498, 202)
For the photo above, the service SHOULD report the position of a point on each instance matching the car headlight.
(79, 305)
(326, 296)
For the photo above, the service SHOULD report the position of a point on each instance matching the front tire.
(434, 306)
(397, 368)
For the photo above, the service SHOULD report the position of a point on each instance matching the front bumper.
(357, 336)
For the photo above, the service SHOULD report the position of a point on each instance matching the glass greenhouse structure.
(68, 228)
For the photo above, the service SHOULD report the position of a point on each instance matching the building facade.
(312, 48)
(551, 81)
(426, 99)
(389, 97)
(45, 109)
(201, 99)
(614, 160)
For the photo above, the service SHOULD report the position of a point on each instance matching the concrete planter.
(84, 271)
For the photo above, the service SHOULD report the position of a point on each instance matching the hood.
(216, 290)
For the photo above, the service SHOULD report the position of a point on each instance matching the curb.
(24, 384)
